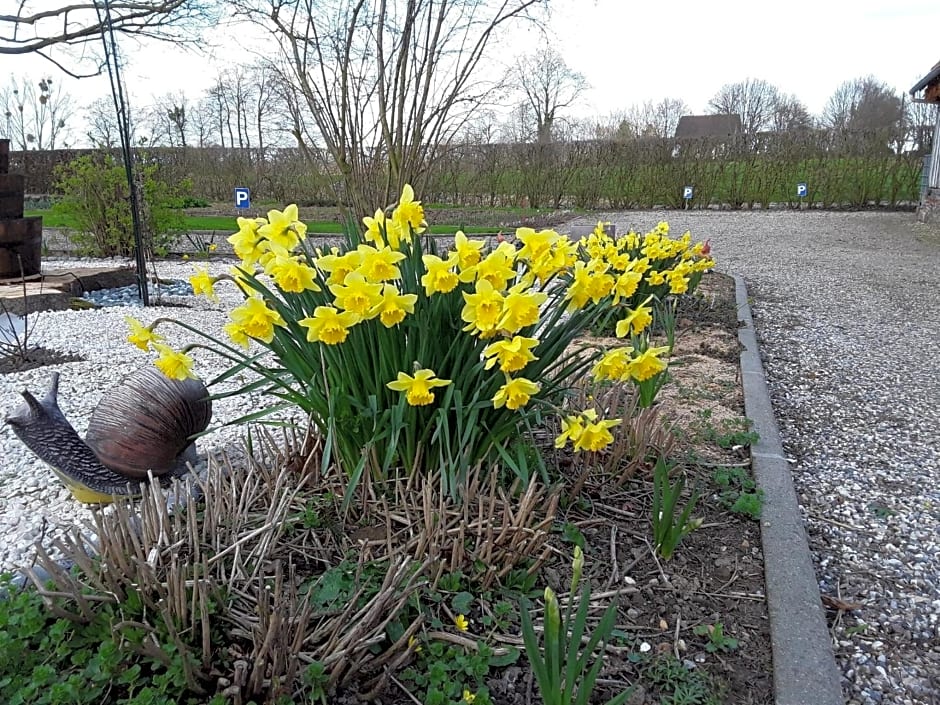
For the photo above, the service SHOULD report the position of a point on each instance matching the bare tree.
(102, 124)
(35, 113)
(790, 114)
(753, 99)
(550, 86)
(41, 28)
(863, 104)
(178, 116)
(650, 119)
(166, 120)
(519, 125)
(384, 84)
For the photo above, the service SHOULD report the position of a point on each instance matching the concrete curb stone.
(805, 671)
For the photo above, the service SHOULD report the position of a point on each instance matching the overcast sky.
(632, 51)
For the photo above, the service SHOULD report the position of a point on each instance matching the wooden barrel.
(20, 246)
(11, 195)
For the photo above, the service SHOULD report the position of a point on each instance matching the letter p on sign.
(242, 198)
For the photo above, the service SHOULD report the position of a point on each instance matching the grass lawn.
(209, 222)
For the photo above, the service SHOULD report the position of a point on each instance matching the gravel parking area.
(847, 309)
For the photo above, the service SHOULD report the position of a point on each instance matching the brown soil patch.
(717, 573)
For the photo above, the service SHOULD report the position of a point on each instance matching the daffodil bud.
(577, 568)
(552, 617)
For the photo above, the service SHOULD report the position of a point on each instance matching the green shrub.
(96, 197)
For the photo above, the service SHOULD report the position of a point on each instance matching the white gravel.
(847, 309)
(33, 504)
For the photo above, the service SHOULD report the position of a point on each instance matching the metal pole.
(124, 130)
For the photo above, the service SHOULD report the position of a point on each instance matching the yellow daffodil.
(512, 355)
(626, 285)
(614, 365)
(647, 364)
(439, 277)
(293, 275)
(417, 389)
(596, 435)
(482, 309)
(520, 309)
(636, 321)
(640, 266)
(461, 622)
(579, 291)
(469, 252)
(535, 244)
(140, 335)
(202, 284)
(678, 284)
(498, 267)
(237, 334)
(284, 227)
(600, 284)
(174, 365)
(703, 265)
(655, 278)
(571, 428)
(328, 325)
(550, 263)
(409, 213)
(245, 241)
(256, 319)
(379, 265)
(515, 393)
(393, 306)
(356, 294)
(339, 266)
(375, 228)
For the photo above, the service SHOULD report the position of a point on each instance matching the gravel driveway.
(847, 309)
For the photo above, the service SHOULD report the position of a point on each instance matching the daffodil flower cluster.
(646, 265)
(426, 356)
(586, 431)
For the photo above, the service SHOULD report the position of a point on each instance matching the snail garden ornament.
(144, 425)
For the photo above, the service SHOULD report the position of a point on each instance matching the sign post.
(242, 198)
(687, 193)
(801, 191)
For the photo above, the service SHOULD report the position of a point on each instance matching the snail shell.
(146, 422)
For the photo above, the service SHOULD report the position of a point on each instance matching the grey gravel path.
(847, 309)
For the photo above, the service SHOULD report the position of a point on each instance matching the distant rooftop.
(708, 126)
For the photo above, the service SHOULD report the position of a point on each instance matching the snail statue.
(144, 424)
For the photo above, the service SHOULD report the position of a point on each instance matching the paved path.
(847, 308)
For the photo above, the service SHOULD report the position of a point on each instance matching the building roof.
(927, 80)
(708, 126)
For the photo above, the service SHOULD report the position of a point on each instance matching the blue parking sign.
(687, 193)
(242, 198)
(801, 189)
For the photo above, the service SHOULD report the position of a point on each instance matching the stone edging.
(805, 670)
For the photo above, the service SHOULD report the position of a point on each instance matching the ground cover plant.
(299, 579)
